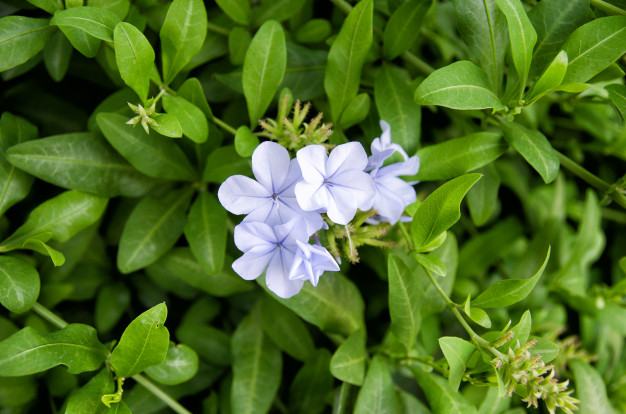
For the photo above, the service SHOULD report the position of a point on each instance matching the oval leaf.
(180, 365)
(457, 352)
(403, 27)
(134, 56)
(19, 284)
(348, 361)
(192, 120)
(377, 395)
(205, 231)
(405, 300)
(21, 38)
(93, 21)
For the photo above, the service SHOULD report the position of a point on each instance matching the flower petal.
(252, 234)
(312, 160)
(394, 194)
(253, 262)
(408, 167)
(277, 275)
(341, 206)
(292, 231)
(312, 197)
(360, 186)
(344, 157)
(270, 164)
(242, 195)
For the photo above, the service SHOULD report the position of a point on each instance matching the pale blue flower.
(270, 199)
(310, 263)
(335, 184)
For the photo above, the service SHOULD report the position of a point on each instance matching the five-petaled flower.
(310, 262)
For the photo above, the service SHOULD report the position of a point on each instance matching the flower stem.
(172, 403)
(224, 125)
(49, 316)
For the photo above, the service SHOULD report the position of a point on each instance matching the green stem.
(343, 5)
(224, 125)
(49, 316)
(172, 403)
(608, 8)
(418, 63)
(212, 27)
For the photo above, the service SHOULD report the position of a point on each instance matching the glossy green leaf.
(27, 352)
(356, 111)
(19, 284)
(152, 228)
(278, 10)
(458, 156)
(403, 27)
(346, 57)
(617, 94)
(21, 38)
(460, 85)
(151, 154)
(432, 263)
(483, 199)
(134, 56)
(88, 398)
(144, 343)
(264, 68)
(522, 37)
(483, 28)
(56, 56)
(377, 395)
(348, 362)
(245, 141)
(37, 245)
(311, 385)
(180, 365)
(546, 348)
(405, 297)
(168, 126)
(442, 398)
(395, 105)
(478, 315)
(192, 91)
(205, 231)
(112, 302)
(277, 320)
(237, 10)
(590, 389)
(551, 78)
(594, 46)
(440, 210)
(457, 352)
(257, 368)
(94, 21)
(535, 148)
(182, 35)
(224, 162)
(119, 7)
(507, 292)
(50, 6)
(192, 120)
(80, 161)
(211, 344)
(82, 41)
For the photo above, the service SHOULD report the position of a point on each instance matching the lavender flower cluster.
(284, 203)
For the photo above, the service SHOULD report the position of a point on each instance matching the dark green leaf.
(191, 118)
(144, 343)
(403, 27)
(238, 42)
(95, 22)
(237, 10)
(205, 232)
(180, 365)
(448, 253)
(311, 385)
(112, 302)
(377, 395)
(17, 391)
(591, 390)
(442, 398)
(617, 93)
(56, 56)
(28, 352)
(211, 344)
(50, 6)
(88, 398)
(313, 31)
(278, 10)
(348, 361)
(483, 199)
(119, 7)
(21, 38)
(224, 162)
(457, 352)
(134, 56)
(405, 297)
(19, 284)
(356, 111)
(83, 42)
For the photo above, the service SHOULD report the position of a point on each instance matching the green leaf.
(211, 344)
(546, 348)
(477, 315)
(395, 105)
(237, 10)
(182, 35)
(551, 78)
(93, 21)
(590, 389)
(205, 231)
(264, 68)
(403, 27)
(238, 42)
(277, 320)
(21, 38)
(457, 352)
(522, 37)
(535, 148)
(595, 46)
(442, 398)
(119, 7)
(507, 292)
(56, 56)
(37, 245)
(460, 85)
(432, 263)
(50, 6)
(153, 155)
(448, 253)
(27, 352)
(483, 199)
(14, 184)
(134, 56)
(192, 91)
(348, 362)
(17, 391)
(257, 368)
(80, 161)
(356, 111)
(245, 141)
(554, 21)
(168, 126)
(224, 162)
(617, 94)
(377, 395)
(278, 10)
(405, 297)
(440, 210)
(346, 57)
(152, 228)
(19, 284)
(483, 28)
(83, 42)
(112, 302)
(144, 343)
(458, 156)
(192, 120)
(88, 398)
(180, 365)
(313, 31)
(311, 385)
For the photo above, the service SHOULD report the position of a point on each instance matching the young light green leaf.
(458, 156)
(348, 361)
(356, 111)
(460, 85)
(311, 385)
(168, 126)
(94, 21)
(522, 37)
(37, 245)
(153, 155)
(277, 320)
(395, 105)
(192, 120)
(432, 263)
(442, 398)
(278, 10)
(405, 297)
(346, 58)
(224, 162)
(80, 161)
(237, 10)
(551, 78)
(617, 94)
(535, 148)
(457, 352)
(144, 343)
(180, 365)
(182, 35)
(21, 38)
(19, 284)
(440, 210)
(134, 56)
(264, 68)
(507, 292)
(483, 28)
(245, 141)
(546, 348)
(88, 399)
(403, 27)
(594, 46)
(192, 91)
(152, 228)
(111, 303)
(377, 395)
(205, 231)
(591, 390)
(479, 316)
(257, 368)
(27, 352)
(82, 41)
(50, 6)
(56, 56)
